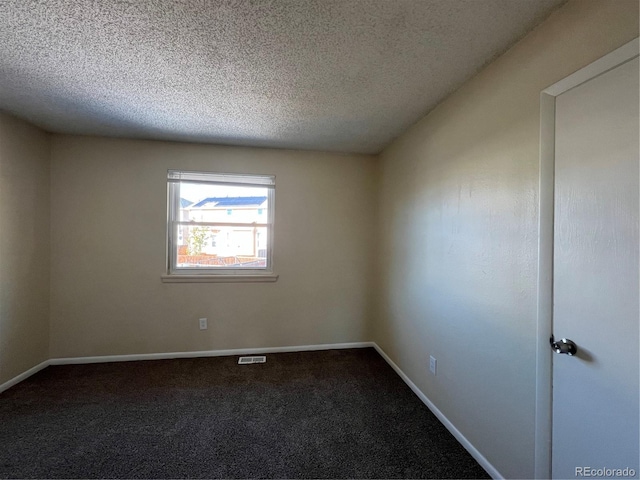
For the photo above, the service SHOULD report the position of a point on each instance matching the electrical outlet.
(433, 363)
(203, 324)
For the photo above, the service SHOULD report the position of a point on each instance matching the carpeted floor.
(328, 414)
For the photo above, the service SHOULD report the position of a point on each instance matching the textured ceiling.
(335, 75)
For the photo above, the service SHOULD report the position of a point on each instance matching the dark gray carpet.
(329, 414)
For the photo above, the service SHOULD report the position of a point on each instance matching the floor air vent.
(248, 360)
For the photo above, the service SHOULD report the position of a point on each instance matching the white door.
(596, 276)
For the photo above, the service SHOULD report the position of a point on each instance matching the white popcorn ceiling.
(333, 75)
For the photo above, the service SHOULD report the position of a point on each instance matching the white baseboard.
(170, 355)
(484, 463)
(23, 376)
(206, 353)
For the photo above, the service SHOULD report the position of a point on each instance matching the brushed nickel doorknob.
(563, 346)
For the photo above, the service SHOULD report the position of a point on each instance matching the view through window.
(220, 223)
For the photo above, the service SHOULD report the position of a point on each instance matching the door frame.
(544, 359)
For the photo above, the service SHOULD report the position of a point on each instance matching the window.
(220, 224)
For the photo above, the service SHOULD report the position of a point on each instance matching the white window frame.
(217, 274)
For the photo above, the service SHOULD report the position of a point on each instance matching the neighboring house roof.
(184, 203)
(230, 202)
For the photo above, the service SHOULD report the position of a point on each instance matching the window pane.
(211, 203)
(241, 245)
(219, 247)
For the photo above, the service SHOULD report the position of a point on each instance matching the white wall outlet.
(203, 323)
(433, 363)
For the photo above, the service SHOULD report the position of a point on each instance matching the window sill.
(260, 278)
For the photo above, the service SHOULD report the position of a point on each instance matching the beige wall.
(109, 215)
(24, 247)
(458, 209)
